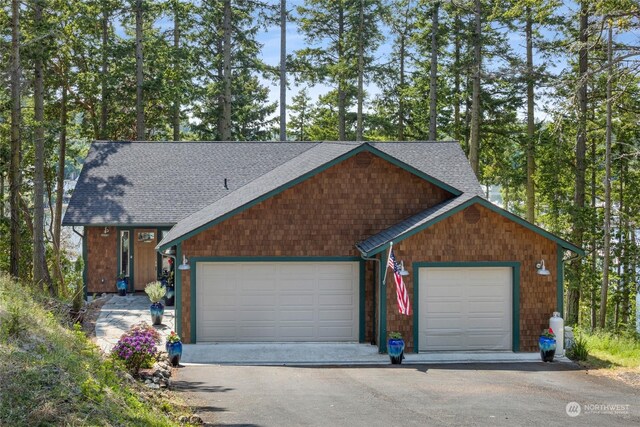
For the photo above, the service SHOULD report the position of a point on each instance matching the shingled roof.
(443, 163)
(193, 185)
(160, 183)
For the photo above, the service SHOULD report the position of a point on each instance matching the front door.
(144, 257)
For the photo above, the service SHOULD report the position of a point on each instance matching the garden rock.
(195, 419)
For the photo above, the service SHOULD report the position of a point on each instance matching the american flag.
(404, 306)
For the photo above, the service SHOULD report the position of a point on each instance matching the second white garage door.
(277, 301)
(465, 308)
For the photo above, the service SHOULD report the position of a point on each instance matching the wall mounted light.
(185, 264)
(542, 270)
(105, 232)
(402, 271)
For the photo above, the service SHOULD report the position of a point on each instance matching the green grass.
(53, 375)
(609, 350)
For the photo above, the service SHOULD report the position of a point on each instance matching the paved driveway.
(464, 394)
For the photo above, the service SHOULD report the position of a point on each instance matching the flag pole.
(386, 265)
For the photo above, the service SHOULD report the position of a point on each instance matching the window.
(147, 236)
(125, 261)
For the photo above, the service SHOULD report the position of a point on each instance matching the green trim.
(515, 292)
(85, 263)
(362, 301)
(193, 262)
(276, 259)
(178, 284)
(416, 308)
(382, 341)
(487, 204)
(560, 280)
(356, 150)
(193, 302)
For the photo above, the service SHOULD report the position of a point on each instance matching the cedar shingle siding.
(101, 260)
(322, 216)
(328, 213)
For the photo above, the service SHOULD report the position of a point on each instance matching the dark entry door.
(144, 257)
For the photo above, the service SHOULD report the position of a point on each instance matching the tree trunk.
(62, 154)
(360, 71)
(40, 275)
(283, 70)
(140, 127)
(226, 71)
(433, 78)
(531, 125)
(15, 175)
(401, 88)
(474, 138)
(573, 293)
(606, 245)
(456, 78)
(104, 101)
(341, 80)
(594, 242)
(176, 46)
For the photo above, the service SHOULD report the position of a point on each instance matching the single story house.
(289, 241)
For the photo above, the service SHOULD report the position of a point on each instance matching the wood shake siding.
(101, 259)
(326, 215)
(478, 234)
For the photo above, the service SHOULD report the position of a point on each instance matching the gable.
(438, 160)
(324, 215)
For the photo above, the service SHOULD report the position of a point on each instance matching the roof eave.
(356, 149)
(476, 199)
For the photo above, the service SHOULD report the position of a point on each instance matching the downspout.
(560, 280)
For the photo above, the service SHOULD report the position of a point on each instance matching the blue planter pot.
(395, 348)
(170, 296)
(174, 351)
(121, 285)
(157, 310)
(547, 348)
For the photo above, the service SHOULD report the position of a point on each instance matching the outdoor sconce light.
(185, 264)
(105, 232)
(402, 271)
(542, 270)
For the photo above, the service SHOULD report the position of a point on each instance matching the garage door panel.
(278, 302)
(443, 307)
(466, 308)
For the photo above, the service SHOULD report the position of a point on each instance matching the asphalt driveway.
(465, 394)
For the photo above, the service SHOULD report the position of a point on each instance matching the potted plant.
(121, 285)
(156, 292)
(174, 348)
(547, 344)
(167, 280)
(395, 347)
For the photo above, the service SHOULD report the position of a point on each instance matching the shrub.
(155, 291)
(137, 348)
(579, 350)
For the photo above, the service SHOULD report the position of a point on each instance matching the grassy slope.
(50, 374)
(610, 350)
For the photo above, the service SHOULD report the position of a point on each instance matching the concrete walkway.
(120, 313)
(332, 354)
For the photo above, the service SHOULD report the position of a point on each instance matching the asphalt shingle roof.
(182, 184)
(392, 233)
(282, 175)
(142, 183)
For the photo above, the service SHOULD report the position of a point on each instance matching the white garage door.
(277, 301)
(465, 308)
